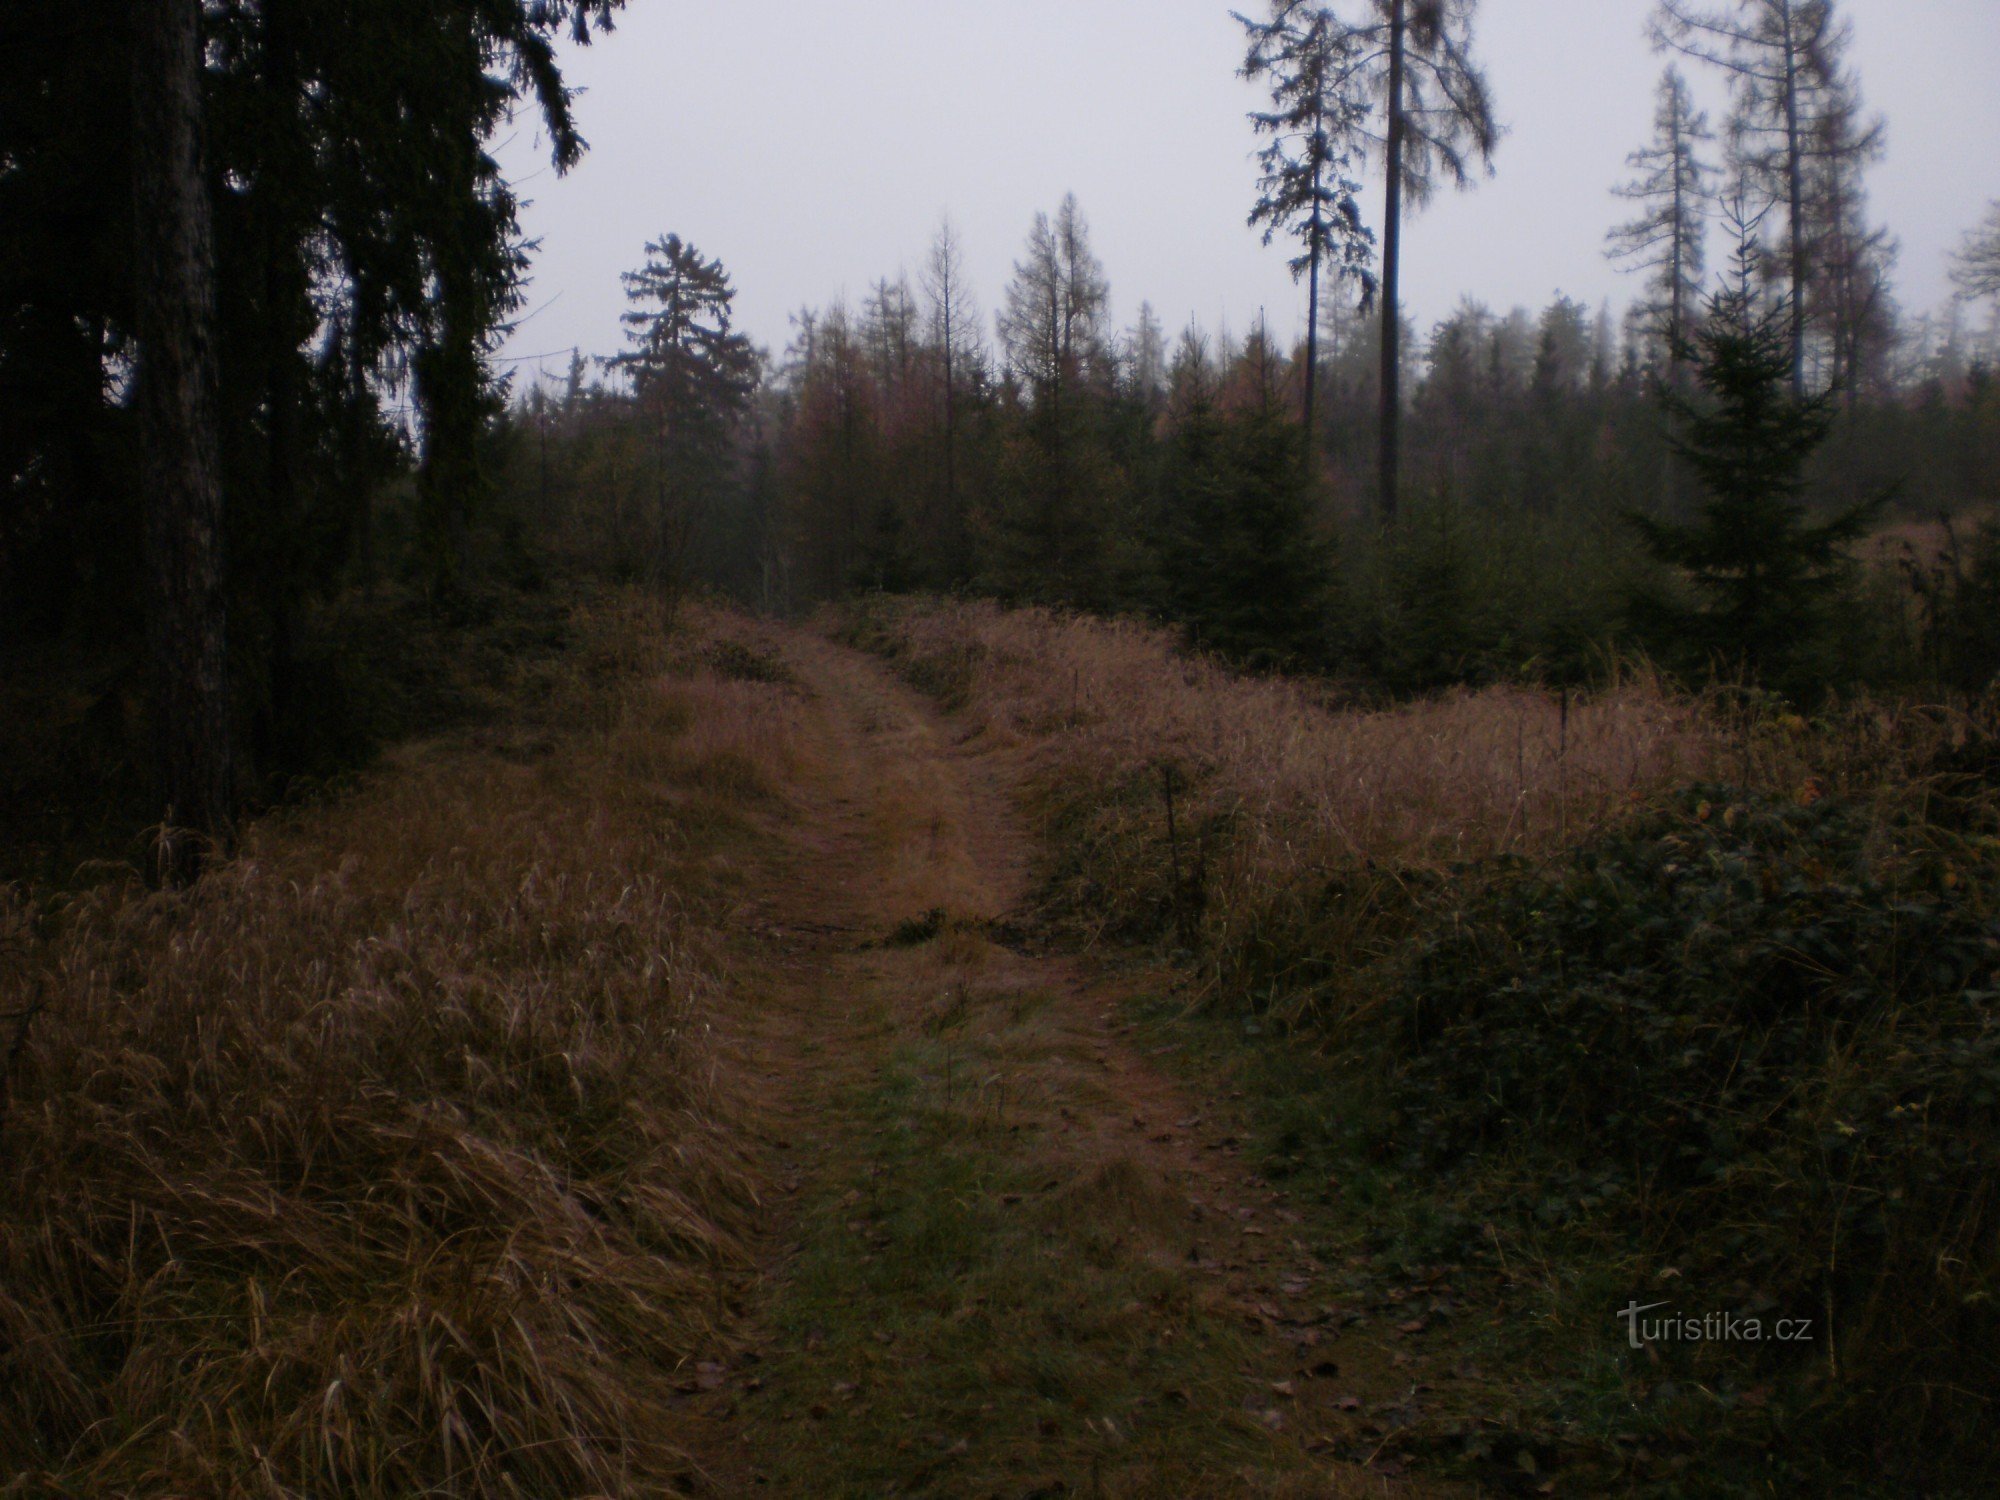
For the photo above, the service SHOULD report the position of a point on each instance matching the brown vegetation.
(1288, 807)
(395, 1157)
(1607, 992)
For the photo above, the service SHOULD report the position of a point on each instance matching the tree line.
(894, 445)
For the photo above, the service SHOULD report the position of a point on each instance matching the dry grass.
(396, 1158)
(1299, 825)
(1380, 867)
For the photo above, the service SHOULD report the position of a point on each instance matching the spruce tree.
(1245, 573)
(692, 376)
(1763, 576)
(1308, 189)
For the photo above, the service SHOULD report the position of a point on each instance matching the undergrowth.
(395, 1157)
(1562, 1004)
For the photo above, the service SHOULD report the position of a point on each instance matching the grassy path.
(1012, 1255)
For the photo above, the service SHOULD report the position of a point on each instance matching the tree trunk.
(1677, 263)
(179, 440)
(1312, 325)
(954, 521)
(1795, 184)
(1392, 244)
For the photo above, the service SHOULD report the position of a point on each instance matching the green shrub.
(1760, 1040)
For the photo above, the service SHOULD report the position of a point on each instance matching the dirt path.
(1013, 1256)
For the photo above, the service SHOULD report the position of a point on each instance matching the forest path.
(1013, 1257)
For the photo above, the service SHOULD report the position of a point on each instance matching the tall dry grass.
(1753, 1047)
(397, 1157)
(1300, 827)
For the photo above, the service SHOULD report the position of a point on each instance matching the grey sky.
(814, 145)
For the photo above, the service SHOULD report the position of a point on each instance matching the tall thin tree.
(1052, 329)
(179, 437)
(953, 331)
(1668, 238)
(1308, 189)
(1848, 302)
(1430, 118)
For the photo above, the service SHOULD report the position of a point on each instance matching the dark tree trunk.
(1795, 188)
(450, 380)
(954, 515)
(1312, 327)
(1392, 247)
(179, 442)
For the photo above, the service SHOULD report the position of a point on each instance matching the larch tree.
(179, 439)
(1667, 241)
(1976, 266)
(1849, 303)
(1308, 188)
(1146, 359)
(1052, 327)
(1785, 60)
(1052, 331)
(952, 328)
(889, 330)
(832, 460)
(692, 376)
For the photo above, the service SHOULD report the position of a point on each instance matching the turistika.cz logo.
(1714, 1327)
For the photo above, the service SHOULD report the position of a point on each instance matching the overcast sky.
(814, 146)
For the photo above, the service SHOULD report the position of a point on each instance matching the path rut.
(1012, 1253)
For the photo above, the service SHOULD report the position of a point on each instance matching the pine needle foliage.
(1763, 576)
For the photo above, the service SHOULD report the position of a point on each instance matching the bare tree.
(1848, 298)
(1785, 61)
(1146, 357)
(1308, 188)
(178, 438)
(953, 319)
(1976, 266)
(1667, 239)
(1052, 327)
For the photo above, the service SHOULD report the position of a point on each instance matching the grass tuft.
(397, 1157)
